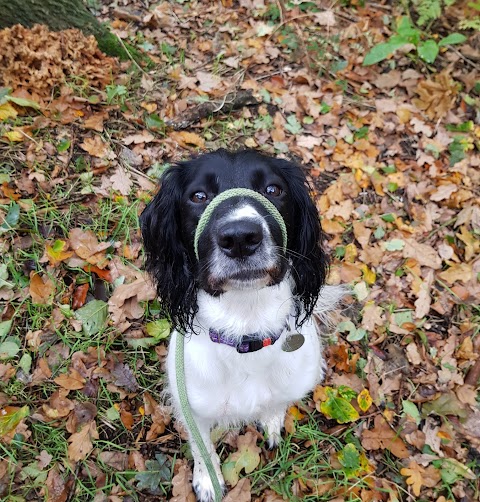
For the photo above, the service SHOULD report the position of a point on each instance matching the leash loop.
(236, 192)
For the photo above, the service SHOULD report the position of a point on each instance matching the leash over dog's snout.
(238, 192)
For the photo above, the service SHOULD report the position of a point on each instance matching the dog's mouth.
(246, 279)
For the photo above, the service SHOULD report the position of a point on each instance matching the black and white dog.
(242, 290)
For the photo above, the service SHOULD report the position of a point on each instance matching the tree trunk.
(60, 15)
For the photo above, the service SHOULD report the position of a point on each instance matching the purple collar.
(248, 343)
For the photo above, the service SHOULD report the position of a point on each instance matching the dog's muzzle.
(247, 236)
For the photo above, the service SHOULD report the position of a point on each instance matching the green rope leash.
(187, 413)
(235, 192)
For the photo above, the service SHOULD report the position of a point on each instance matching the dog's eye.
(273, 190)
(199, 197)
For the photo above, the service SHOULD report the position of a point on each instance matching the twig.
(286, 21)
(435, 230)
(304, 47)
(132, 59)
(230, 102)
(136, 171)
(282, 9)
(460, 55)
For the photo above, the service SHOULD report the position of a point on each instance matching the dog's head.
(245, 242)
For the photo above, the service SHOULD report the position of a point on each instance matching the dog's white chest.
(227, 387)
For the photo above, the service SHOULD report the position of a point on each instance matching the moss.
(109, 44)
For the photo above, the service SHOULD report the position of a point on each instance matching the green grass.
(305, 457)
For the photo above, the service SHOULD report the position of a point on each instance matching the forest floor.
(391, 149)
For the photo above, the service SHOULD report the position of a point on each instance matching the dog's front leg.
(272, 424)
(201, 479)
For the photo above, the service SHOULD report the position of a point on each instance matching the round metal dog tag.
(293, 342)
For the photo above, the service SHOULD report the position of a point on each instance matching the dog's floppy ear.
(166, 257)
(310, 262)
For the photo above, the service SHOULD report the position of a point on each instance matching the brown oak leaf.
(86, 246)
(383, 437)
(182, 484)
(96, 147)
(241, 492)
(72, 381)
(81, 442)
(418, 476)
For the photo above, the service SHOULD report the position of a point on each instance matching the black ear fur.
(309, 260)
(166, 258)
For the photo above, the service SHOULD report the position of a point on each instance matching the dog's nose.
(240, 239)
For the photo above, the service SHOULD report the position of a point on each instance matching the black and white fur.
(243, 283)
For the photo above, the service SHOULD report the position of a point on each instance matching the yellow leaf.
(403, 115)
(7, 111)
(188, 138)
(10, 417)
(338, 407)
(369, 276)
(14, 136)
(364, 400)
(351, 253)
(472, 244)
(57, 252)
(320, 394)
(332, 227)
(247, 457)
(462, 272)
(295, 413)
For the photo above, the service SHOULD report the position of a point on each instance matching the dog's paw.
(202, 485)
(274, 440)
(272, 428)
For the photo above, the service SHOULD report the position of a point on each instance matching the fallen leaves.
(41, 288)
(247, 458)
(182, 484)
(72, 381)
(157, 470)
(160, 416)
(335, 403)
(121, 181)
(382, 436)
(186, 139)
(57, 252)
(96, 147)
(93, 316)
(86, 246)
(415, 477)
(124, 303)
(81, 442)
(437, 96)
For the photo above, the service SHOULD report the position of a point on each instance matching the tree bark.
(60, 15)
